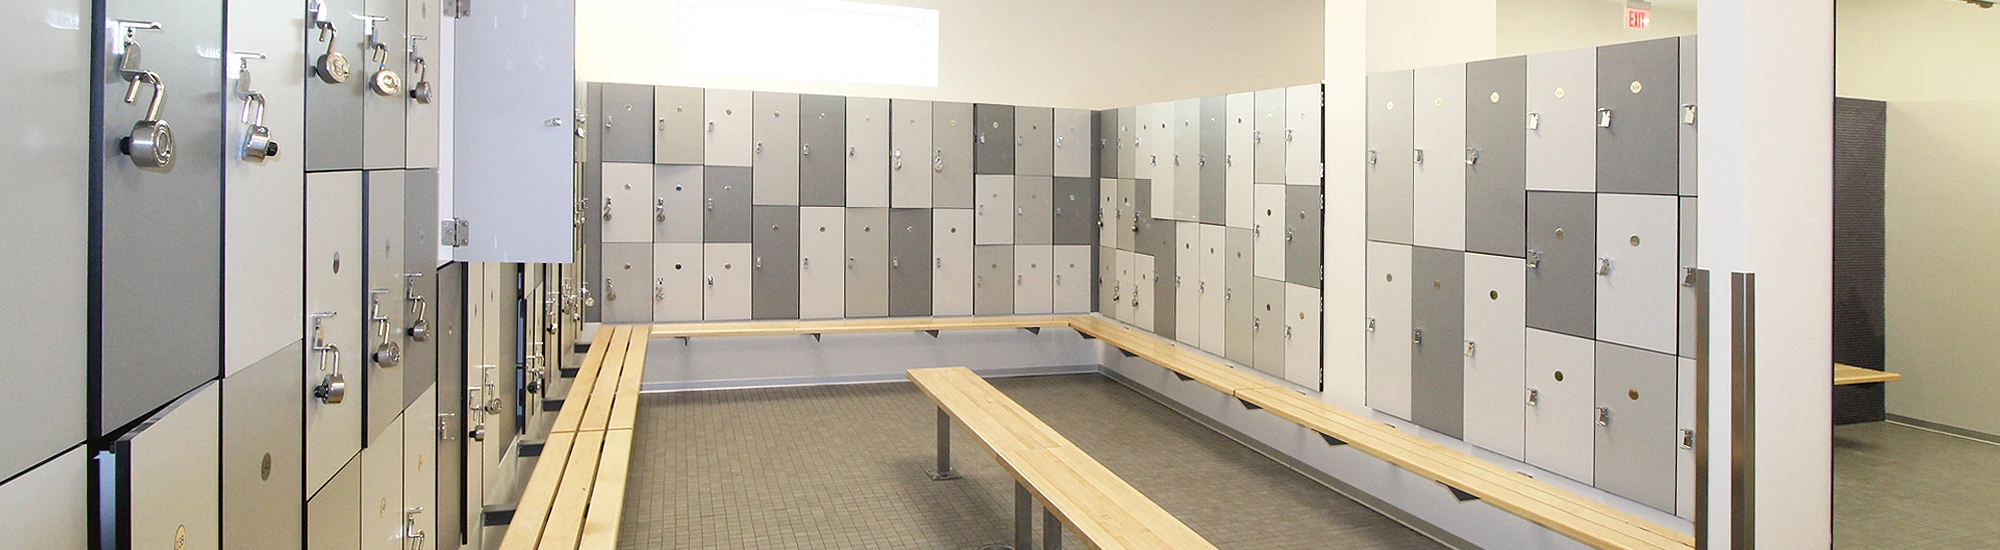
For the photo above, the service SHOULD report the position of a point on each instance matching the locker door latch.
(1471, 348)
(1687, 114)
(1371, 325)
(1372, 157)
(1604, 266)
(1534, 259)
(607, 208)
(1534, 121)
(1603, 416)
(1687, 439)
(610, 292)
(1687, 276)
(410, 530)
(1417, 336)
(660, 210)
(332, 388)
(1257, 136)
(1534, 397)
(1419, 156)
(660, 289)
(1471, 156)
(1603, 118)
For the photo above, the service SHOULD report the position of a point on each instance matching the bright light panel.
(811, 40)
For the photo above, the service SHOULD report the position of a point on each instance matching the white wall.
(1535, 26)
(1086, 54)
(1902, 50)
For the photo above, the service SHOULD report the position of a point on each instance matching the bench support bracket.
(943, 471)
(1248, 405)
(685, 340)
(933, 333)
(1183, 377)
(1086, 335)
(1462, 496)
(1127, 353)
(1033, 330)
(1051, 530)
(816, 337)
(1024, 518)
(1331, 440)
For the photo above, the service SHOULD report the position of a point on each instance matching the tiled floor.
(1900, 487)
(842, 467)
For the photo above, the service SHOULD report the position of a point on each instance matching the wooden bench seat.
(1847, 375)
(575, 498)
(855, 326)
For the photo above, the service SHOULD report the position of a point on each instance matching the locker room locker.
(677, 204)
(1034, 279)
(1213, 161)
(1437, 333)
(334, 110)
(868, 122)
(626, 122)
(1237, 286)
(1034, 141)
(677, 129)
(1638, 271)
(1128, 148)
(993, 146)
(629, 205)
(1239, 158)
(1441, 157)
(1269, 231)
(1073, 217)
(1110, 213)
(726, 281)
(1562, 262)
(822, 128)
(1128, 212)
(951, 159)
(589, 199)
(262, 198)
(1125, 286)
(1689, 260)
(677, 288)
(725, 204)
(170, 467)
(1109, 143)
(1391, 157)
(1495, 352)
(1187, 282)
(1302, 335)
(1144, 294)
(335, 318)
(1108, 298)
(385, 304)
(1304, 230)
(418, 282)
(48, 506)
(384, 116)
(1072, 282)
(1496, 156)
(1213, 251)
(1186, 128)
(1638, 117)
(1268, 327)
(1165, 140)
(1562, 123)
(994, 210)
(1302, 134)
(909, 249)
(1165, 299)
(1561, 394)
(1268, 136)
(993, 279)
(1690, 144)
(774, 264)
(261, 408)
(1637, 424)
(418, 517)
(910, 155)
(774, 149)
(422, 118)
(333, 514)
(1146, 151)
(451, 336)
(1388, 326)
(822, 250)
(1073, 145)
(726, 138)
(1684, 477)
(382, 490)
(628, 283)
(951, 264)
(867, 262)
(1033, 210)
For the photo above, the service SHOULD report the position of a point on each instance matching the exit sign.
(1638, 18)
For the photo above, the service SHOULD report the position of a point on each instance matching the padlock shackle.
(159, 92)
(257, 98)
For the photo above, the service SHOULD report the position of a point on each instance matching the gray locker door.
(951, 157)
(451, 473)
(629, 209)
(1156, 234)
(1186, 131)
(384, 118)
(1110, 142)
(1033, 205)
(822, 256)
(822, 130)
(868, 153)
(1074, 220)
(1439, 139)
(1562, 120)
(1302, 336)
(1690, 259)
(49, 506)
(727, 137)
(1186, 282)
(1437, 331)
(1164, 298)
(867, 262)
(333, 515)
(418, 284)
(386, 304)
(1124, 286)
(1073, 144)
(775, 263)
(1268, 137)
(1268, 327)
(993, 146)
(1108, 296)
(1636, 424)
(334, 298)
(677, 129)
(1638, 90)
(1388, 326)
(725, 204)
(333, 111)
(909, 248)
(1109, 213)
(1034, 141)
(426, 30)
(677, 204)
(1391, 157)
(589, 210)
(1072, 279)
(1213, 160)
(1561, 393)
(1128, 147)
(1303, 137)
(44, 303)
(1144, 294)
(1269, 231)
(1239, 157)
(590, 145)
(1495, 352)
(628, 283)
(1684, 464)
(1638, 272)
(1034, 278)
(1496, 169)
(627, 123)
(774, 131)
(1690, 143)
(1562, 262)
(994, 209)
(1238, 303)
(993, 279)
(726, 277)
(677, 282)
(168, 476)
(1213, 251)
(157, 251)
(951, 264)
(260, 422)
(910, 155)
(1304, 230)
(1127, 214)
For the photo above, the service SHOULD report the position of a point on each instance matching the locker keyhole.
(1391, 277)
(1559, 376)
(1634, 394)
(336, 262)
(677, 267)
(1494, 294)
(1635, 240)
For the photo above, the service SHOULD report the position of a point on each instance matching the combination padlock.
(257, 144)
(151, 144)
(421, 91)
(331, 66)
(384, 82)
(332, 389)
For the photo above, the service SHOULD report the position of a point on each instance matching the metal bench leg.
(943, 471)
(1051, 530)
(1024, 518)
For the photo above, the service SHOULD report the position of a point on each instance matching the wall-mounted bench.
(575, 498)
(1848, 375)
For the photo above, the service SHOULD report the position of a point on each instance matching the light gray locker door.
(1636, 424)
(384, 117)
(993, 210)
(382, 490)
(507, 153)
(1109, 213)
(774, 292)
(1305, 228)
(726, 134)
(1187, 282)
(1638, 271)
(1108, 296)
(725, 204)
(1441, 155)
(1268, 136)
(630, 209)
(677, 204)
(910, 155)
(1268, 327)
(628, 283)
(1145, 296)
(1495, 352)
(1302, 336)
(1562, 120)
(1561, 394)
(1159, 162)
(909, 251)
(418, 282)
(171, 465)
(1684, 471)
(1638, 117)
(263, 224)
(589, 210)
(1155, 235)
(1390, 157)
(1437, 333)
(1496, 168)
(726, 281)
(422, 118)
(1110, 142)
(1073, 145)
(774, 130)
(1213, 160)
(951, 157)
(49, 506)
(158, 266)
(1072, 281)
(333, 514)
(44, 303)
(1303, 136)
(822, 257)
(951, 262)
(868, 153)
(867, 262)
(263, 454)
(1388, 326)
(1562, 262)
(1187, 124)
(677, 128)
(334, 111)
(385, 304)
(1034, 278)
(1238, 303)
(418, 517)
(1165, 298)
(1073, 218)
(1125, 287)
(1690, 150)
(335, 319)
(1128, 146)
(1269, 231)
(1033, 220)
(627, 123)
(1239, 158)
(822, 130)
(1034, 141)
(1210, 285)
(1130, 202)
(1690, 259)
(993, 146)
(677, 284)
(993, 279)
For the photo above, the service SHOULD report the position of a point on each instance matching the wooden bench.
(1074, 489)
(1848, 375)
(575, 498)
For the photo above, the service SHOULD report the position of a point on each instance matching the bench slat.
(572, 501)
(525, 531)
(607, 498)
(597, 413)
(855, 326)
(1002, 425)
(625, 399)
(1095, 503)
(571, 415)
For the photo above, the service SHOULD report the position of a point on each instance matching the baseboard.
(1945, 429)
(878, 378)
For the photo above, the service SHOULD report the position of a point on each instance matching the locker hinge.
(1687, 439)
(458, 9)
(454, 232)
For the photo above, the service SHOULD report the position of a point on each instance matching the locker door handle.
(1177, 159)
(1154, 161)
(850, 263)
(1257, 136)
(1288, 234)
(659, 290)
(850, 151)
(981, 210)
(1604, 266)
(660, 210)
(660, 126)
(610, 293)
(1417, 336)
(1059, 142)
(607, 209)
(711, 126)
(1471, 156)
(805, 262)
(982, 137)
(1058, 279)
(1604, 416)
(1256, 325)
(1372, 157)
(711, 204)
(757, 262)
(759, 148)
(1288, 135)
(1201, 160)
(1020, 141)
(1288, 332)
(979, 280)
(1371, 325)
(895, 263)
(1471, 348)
(1228, 294)
(937, 262)
(806, 150)
(937, 162)
(1419, 156)
(1020, 211)
(1020, 280)
(1535, 121)
(711, 281)
(1603, 118)
(1687, 276)
(444, 426)
(1228, 161)
(1534, 397)
(1687, 439)
(1201, 287)
(1534, 259)
(1256, 230)
(1687, 114)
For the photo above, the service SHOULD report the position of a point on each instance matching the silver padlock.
(257, 143)
(421, 91)
(332, 66)
(384, 82)
(151, 144)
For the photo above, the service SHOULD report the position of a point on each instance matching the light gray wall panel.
(628, 283)
(911, 154)
(1495, 352)
(1186, 123)
(333, 515)
(1074, 147)
(678, 214)
(822, 263)
(1033, 205)
(1561, 393)
(49, 506)
(1269, 136)
(1128, 148)
(728, 138)
(951, 264)
(170, 467)
(1638, 276)
(1388, 328)
(868, 123)
(1562, 120)
(993, 209)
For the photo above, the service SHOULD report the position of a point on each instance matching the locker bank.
(523, 274)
